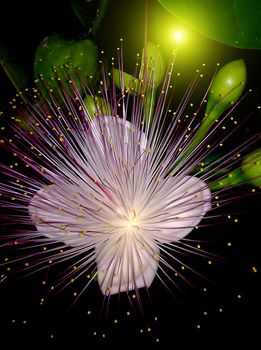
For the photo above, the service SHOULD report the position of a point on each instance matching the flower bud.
(251, 168)
(226, 88)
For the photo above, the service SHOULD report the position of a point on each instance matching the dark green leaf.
(15, 72)
(232, 22)
(90, 12)
(55, 51)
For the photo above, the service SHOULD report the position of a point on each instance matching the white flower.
(114, 200)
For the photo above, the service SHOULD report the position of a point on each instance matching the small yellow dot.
(236, 220)
(204, 289)
(205, 313)
(198, 326)
(239, 296)
(210, 262)
(254, 269)
(141, 330)
(220, 309)
(43, 282)
(157, 340)
(88, 312)
(128, 313)
(115, 321)
(103, 335)
(149, 329)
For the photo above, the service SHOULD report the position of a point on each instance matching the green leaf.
(96, 104)
(55, 51)
(155, 63)
(90, 13)
(14, 71)
(231, 22)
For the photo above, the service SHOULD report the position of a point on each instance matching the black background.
(230, 319)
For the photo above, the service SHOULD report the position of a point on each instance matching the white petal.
(119, 133)
(188, 201)
(126, 265)
(55, 214)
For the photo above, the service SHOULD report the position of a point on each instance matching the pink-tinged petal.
(120, 134)
(56, 214)
(187, 202)
(126, 264)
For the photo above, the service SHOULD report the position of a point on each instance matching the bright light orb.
(178, 36)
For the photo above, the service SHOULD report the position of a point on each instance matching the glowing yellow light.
(178, 36)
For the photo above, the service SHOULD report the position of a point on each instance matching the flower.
(118, 202)
(118, 177)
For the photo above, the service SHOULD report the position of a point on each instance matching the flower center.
(129, 222)
(132, 222)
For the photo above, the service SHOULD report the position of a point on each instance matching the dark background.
(230, 319)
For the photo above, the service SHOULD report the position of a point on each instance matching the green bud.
(129, 82)
(226, 88)
(251, 168)
(154, 74)
(248, 173)
(232, 178)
